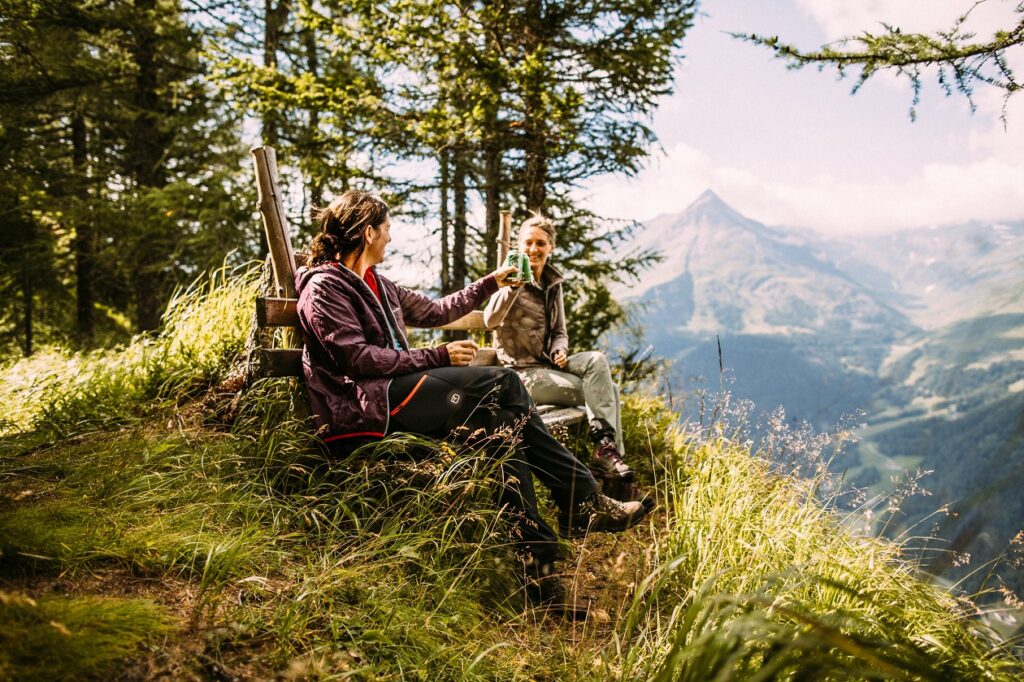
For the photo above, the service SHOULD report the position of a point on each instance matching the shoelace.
(610, 452)
(607, 504)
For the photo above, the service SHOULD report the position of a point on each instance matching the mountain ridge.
(922, 330)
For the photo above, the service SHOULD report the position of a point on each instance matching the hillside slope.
(144, 537)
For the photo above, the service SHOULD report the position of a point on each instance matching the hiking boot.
(601, 514)
(626, 491)
(545, 590)
(606, 463)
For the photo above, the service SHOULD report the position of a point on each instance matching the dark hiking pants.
(466, 399)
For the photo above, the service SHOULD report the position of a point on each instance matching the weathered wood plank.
(504, 237)
(553, 415)
(277, 312)
(274, 222)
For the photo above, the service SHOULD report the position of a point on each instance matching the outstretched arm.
(422, 311)
(333, 323)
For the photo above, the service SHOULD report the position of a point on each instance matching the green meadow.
(155, 524)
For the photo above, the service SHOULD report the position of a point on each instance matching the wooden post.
(276, 227)
(504, 246)
(504, 237)
(274, 222)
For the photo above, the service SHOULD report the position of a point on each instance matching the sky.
(795, 148)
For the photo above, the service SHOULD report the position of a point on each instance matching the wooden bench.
(280, 355)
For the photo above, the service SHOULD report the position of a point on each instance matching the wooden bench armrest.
(281, 312)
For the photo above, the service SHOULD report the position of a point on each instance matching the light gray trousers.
(586, 380)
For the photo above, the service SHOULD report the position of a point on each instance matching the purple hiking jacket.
(355, 343)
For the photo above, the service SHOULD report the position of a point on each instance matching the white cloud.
(841, 18)
(941, 193)
(668, 184)
(988, 186)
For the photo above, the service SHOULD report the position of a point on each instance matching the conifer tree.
(123, 164)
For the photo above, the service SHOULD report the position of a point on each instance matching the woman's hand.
(461, 353)
(508, 276)
(560, 358)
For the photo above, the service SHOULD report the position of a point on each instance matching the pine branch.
(960, 60)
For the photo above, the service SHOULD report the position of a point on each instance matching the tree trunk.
(459, 229)
(459, 266)
(27, 300)
(446, 283)
(145, 159)
(316, 182)
(492, 198)
(84, 241)
(534, 113)
(274, 20)
(536, 171)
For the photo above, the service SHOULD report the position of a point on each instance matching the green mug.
(517, 259)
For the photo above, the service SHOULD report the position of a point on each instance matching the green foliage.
(394, 562)
(204, 332)
(122, 169)
(73, 638)
(756, 577)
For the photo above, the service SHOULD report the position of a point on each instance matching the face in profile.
(381, 236)
(536, 244)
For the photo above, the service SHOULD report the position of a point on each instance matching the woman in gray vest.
(531, 337)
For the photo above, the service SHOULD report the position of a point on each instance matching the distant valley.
(922, 330)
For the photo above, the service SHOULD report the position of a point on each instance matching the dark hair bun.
(343, 225)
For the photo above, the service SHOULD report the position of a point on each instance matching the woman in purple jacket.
(364, 380)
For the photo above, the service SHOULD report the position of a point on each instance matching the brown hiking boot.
(546, 591)
(600, 514)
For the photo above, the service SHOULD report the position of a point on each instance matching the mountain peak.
(708, 196)
(709, 204)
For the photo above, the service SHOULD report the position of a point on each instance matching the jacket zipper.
(387, 328)
(387, 324)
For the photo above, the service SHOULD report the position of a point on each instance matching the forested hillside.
(162, 518)
(124, 126)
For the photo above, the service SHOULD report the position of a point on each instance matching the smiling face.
(537, 245)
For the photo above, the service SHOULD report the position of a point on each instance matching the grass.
(258, 556)
(73, 638)
(67, 395)
(760, 574)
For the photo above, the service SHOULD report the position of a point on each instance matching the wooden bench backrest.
(279, 311)
(275, 224)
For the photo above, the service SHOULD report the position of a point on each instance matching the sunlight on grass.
(394, 563)
(203, 332)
